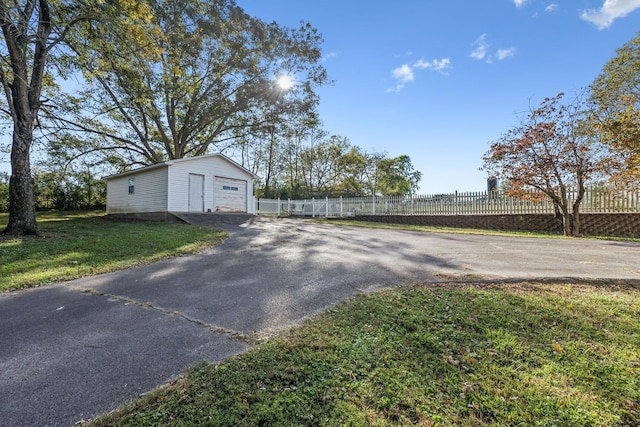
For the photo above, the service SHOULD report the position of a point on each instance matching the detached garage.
(211, 183)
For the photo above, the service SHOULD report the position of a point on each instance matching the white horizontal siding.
(150, 192)
(209, 166)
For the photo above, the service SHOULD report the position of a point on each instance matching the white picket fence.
(475, 203)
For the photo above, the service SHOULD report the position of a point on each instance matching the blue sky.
(440, 80)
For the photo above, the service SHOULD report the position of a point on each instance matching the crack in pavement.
(250, 339)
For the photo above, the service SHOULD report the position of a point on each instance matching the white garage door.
(229, 195)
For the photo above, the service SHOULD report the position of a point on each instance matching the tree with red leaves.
(550, 151)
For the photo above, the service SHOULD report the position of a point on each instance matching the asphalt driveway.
(71, 351)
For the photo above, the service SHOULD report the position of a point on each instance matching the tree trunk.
(567, 221)
(25, 50)
(576, 224)
(576, 207)
(22, 210)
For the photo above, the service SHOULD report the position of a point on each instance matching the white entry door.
(196, 193)
(229, 195)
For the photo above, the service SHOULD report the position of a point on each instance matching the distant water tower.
(492, 186)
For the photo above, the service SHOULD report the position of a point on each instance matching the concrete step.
(216, 220)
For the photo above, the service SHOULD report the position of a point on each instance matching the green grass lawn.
(526, 354)
(76, 244)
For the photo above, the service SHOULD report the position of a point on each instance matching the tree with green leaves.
(217, 70)
(615, 112)
(69, 183)
(328, 165)
(552, 151)
(397, 177)
(32, 30)
(279, 153)
(357, 170)
(324, 166)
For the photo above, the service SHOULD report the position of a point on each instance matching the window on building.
(226, 187)
(132, 185)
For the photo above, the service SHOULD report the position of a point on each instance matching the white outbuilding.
(210, 183)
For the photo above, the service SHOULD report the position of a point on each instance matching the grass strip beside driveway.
(464, 355)
(77, 244)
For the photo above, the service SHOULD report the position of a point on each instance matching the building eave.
(171, 162)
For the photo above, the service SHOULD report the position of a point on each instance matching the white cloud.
(329, 56)
(441, 64)
(436, 64)
(406, 73)
(609, 12)
(403, 75)
(520, 3)
(551, 8)
(480, 48)
(481, 51)
(422, 64)
(505, 53)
